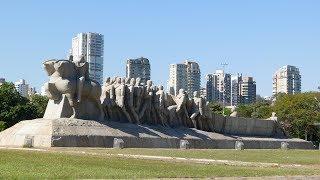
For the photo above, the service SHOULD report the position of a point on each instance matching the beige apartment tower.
(184, 76)
(287, 80)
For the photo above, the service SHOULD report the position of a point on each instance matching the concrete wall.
(247, 126)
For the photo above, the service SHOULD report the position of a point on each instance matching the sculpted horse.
(70, 91)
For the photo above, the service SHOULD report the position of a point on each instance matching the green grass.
(304, 157)
(32, 164)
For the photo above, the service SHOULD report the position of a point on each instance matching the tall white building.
(90, 45)
(177, 78)
(184, 76)
(139, 67)
(193, 77)
(219, 87)
(22, 87)
(287, 80)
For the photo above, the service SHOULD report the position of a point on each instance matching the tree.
(40, 102)
(244, 110)
(298, 113)
(261, 110)
(227, 111)
(13, 107)
(2, 125)
(9, 97)
(259, 98)
(215, 107)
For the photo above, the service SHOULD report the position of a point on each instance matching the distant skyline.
(254, 37)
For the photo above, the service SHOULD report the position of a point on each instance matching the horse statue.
(71, 93)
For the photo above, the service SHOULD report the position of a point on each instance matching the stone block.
(284, 146)
(118, 143)
(65, 132)
(239, 145)
(28, 142)
(184, 144)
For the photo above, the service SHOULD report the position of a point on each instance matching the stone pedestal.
(64, 132)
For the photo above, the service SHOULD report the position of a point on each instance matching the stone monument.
(124, 112)
(70, 91)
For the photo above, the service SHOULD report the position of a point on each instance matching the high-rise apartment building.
(247, 90)
(287, 80)
(184, 76)
(139, 67)
(243, 90)
(177, 78)
(193, 77)
(22, 87)
(219, 87)
(90, 45)
(203, 93)
(235, 89)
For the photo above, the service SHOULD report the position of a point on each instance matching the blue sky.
(254, 37)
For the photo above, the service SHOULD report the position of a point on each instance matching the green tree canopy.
(40, 102)
(14, 108)
(298, 112)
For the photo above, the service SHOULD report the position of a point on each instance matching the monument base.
(86, 133)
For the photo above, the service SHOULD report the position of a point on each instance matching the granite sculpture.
(125, 113)
(125, 100)
(72, 94)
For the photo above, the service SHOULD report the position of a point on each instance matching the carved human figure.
(160, 106)
(117, 83)
(107, 99)
(130, 100)
(138, 92)
(145, 110)
(120, 92)
(181, 110)
(127, 81)
(209, 117)
(197, 111)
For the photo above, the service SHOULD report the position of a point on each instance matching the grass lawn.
(51, 164)
(303, 157)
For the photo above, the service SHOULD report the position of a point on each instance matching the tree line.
(14, 107)
(297, 113)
